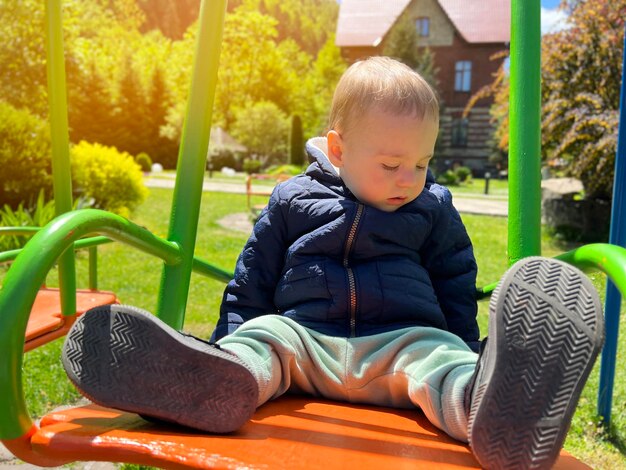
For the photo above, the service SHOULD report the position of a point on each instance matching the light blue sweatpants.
(412, 367)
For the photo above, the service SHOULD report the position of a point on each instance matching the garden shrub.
(464, 174)
(251, 166)
(285, 170)
(448, 178)
(111, 178)
(144, 161)
(224, 158)
(25, 163)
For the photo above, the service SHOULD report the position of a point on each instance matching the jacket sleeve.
(449, 258)
(251, 292)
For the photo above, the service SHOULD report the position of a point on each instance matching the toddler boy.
(358, 284)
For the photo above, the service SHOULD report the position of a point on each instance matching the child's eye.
(390, 168)
(420, 168)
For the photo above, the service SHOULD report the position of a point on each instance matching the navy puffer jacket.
(321, 257)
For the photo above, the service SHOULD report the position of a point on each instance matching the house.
(463, 35)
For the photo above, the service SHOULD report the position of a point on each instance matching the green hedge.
(25, 166)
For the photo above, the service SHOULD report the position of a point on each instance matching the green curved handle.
(22, 283)
(610, 259)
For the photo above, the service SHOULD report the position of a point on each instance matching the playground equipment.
(290, 432)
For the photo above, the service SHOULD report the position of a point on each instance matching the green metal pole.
(62, 178)
(93, 267)
(525, 131)
(191, 162)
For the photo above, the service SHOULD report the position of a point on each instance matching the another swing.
(290, 432)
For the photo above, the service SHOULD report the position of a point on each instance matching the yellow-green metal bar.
(199, 266)
(524, 232)
(62, 179)
(19, 231)
(191, 162)
(22, 282)
(10, 255)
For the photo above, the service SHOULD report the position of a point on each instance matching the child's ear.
(335, 148)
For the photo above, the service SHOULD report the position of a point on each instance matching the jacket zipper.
(351, 279)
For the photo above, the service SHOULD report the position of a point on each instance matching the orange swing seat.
(46, 322)
(291, 432)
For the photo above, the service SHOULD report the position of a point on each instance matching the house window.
(459, 132)
(422, 26)
(463, 75)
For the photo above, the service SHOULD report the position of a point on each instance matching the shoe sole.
(125, 358)
(544, 342)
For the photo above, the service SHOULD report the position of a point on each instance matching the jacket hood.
(320, 166)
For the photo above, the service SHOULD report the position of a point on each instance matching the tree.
(581, 76)
(132, 123)
(402, 44)
(314, 96)
(25, 150)
(309, 22)
(581, 71)
(296, 144)
(160, 148)
(264, 129)
(91, 107)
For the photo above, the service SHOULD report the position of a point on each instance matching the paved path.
(484, 205)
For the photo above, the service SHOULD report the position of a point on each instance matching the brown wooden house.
(463, 35)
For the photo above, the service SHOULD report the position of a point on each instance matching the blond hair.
(383, 83)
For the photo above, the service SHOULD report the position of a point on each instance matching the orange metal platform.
(289, 433)
(46, 321)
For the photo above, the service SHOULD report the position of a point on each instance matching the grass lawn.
(476, 187)
(135, 279)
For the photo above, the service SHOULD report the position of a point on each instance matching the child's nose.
(406, 178)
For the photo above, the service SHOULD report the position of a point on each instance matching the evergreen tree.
(90, 107)
(402, 44)
(296, 144)
(132, 113)
(157, 146)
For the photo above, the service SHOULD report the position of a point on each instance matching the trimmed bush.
(111, 178)
(225, 158)
(292, 170)
(448, 178)
(251, 166)
(25, 157)
(463, 173)
(144, 161)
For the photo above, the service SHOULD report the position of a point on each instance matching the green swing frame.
(70, 230)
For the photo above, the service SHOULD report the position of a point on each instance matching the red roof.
(366, 22)
(480, 20)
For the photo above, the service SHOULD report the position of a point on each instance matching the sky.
(552, 20)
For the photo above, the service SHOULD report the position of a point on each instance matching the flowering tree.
(581, 73)
(581, 76)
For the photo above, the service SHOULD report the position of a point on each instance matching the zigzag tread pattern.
(547, 355)
(150, 372)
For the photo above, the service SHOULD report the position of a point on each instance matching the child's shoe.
(545, 331)
(126, 358)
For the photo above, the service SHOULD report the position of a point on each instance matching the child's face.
(384, 157)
